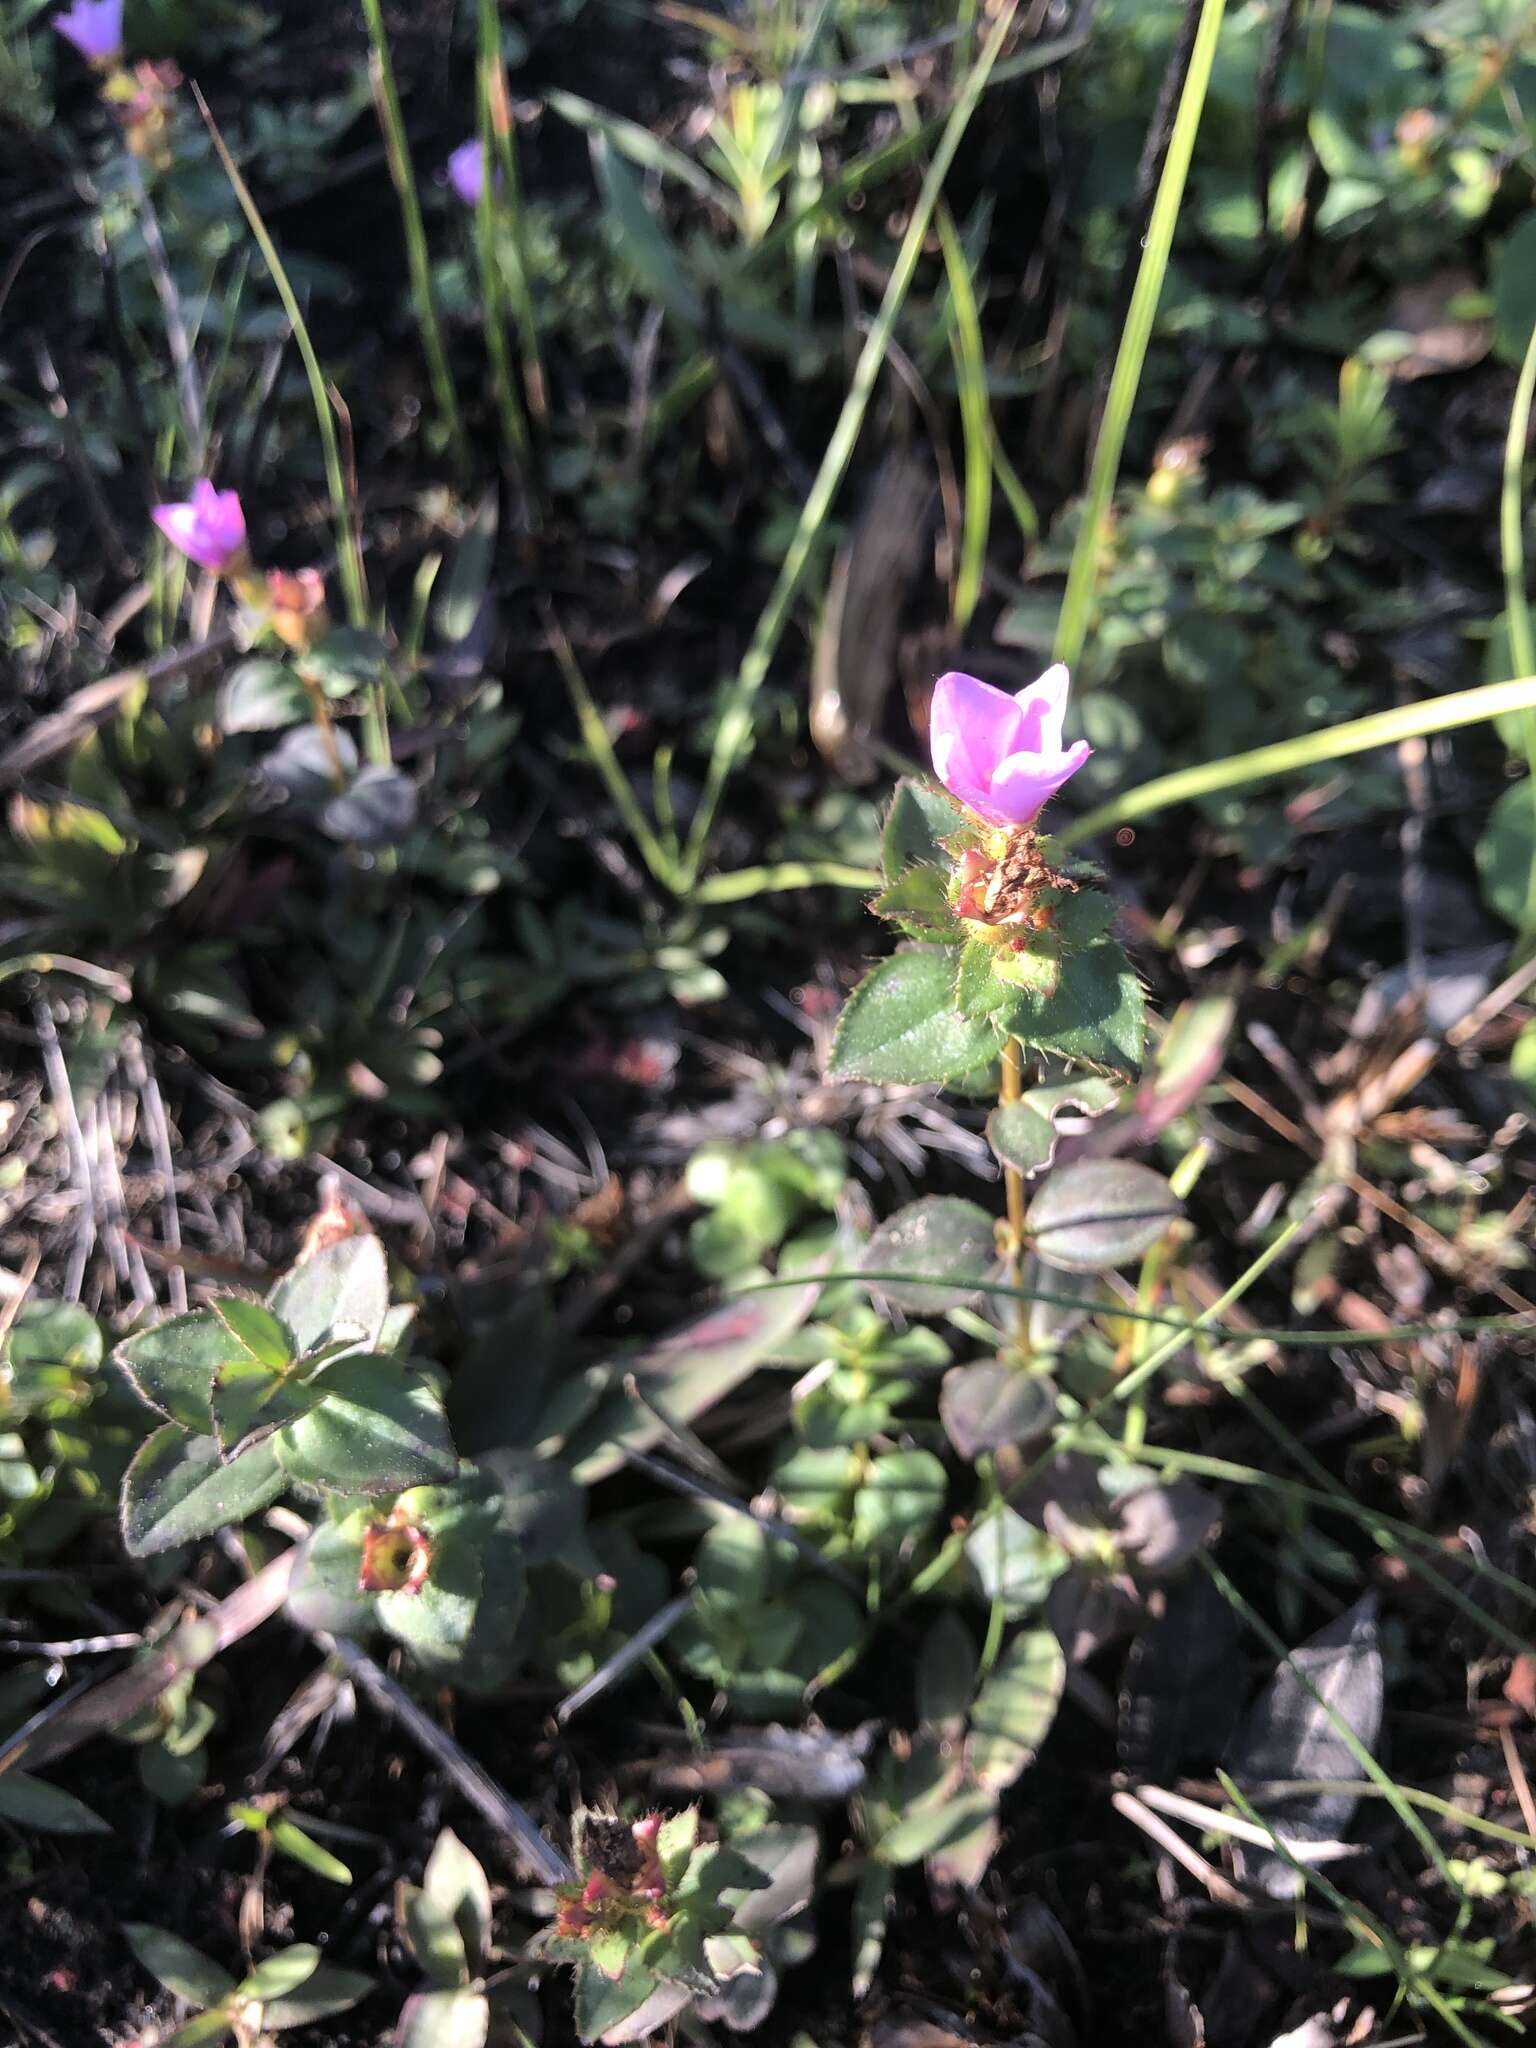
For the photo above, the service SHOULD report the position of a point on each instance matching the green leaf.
(1036, 968)
(1097, 1015)
(918, 901)
(675, 1841)
(610, 1949)
(601, 2003)
(990, 1403)
(1514, 291)
(375, 1429)
(946, 1676)
(872, 1902)
(640, 241)
(30, 1803)
(260, 1333)
(900, 1025)
(54, 1333)
(920, 818)
(282, 1973)
(434, 1937)
(978, 991)
(1021, 1137)
(177, 1489)
(184, 1970)
(1015, 1562)
(928, 1828)
(902, 1497)
(343, 1291)
(458, 605)
(686, 1372)
(944, 1243)
(248, 1397)
(288, 1836)
(172, 1366)
(455, 1880)
(1506, 854)
(436, 1620)
(1015, 1708)
(443, 2019)
(1099, 1213)
(260, 696)
(326, 1990)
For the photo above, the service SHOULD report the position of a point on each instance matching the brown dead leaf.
(1442, 341)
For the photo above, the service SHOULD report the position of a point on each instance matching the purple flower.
(209, 527)
(1002, 756)
(95, 27)
(466, 171)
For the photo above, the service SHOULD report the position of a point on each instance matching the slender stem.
(1010, 1089)
(510, 197)
(386, 97)
(1517, 608)
(514, 421)
(1072, 627)
(320, 712)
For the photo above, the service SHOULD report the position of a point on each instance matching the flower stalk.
(1010, 1089)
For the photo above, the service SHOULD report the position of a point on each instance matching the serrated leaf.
(29, 1802)
(375, 1429)
(978, 992)
(918, 901)
(1099, 1213)
(601, 2003)
(920, 819)
(177, 1489)
(172, 1366)
(1036, 968)
(1097, 1015)
(675, 1842)
(184, 1970)
(945, 1244)
(1015, 1708)
(261, 1334)
(343, 1290)
(899, 1025)
(990, 1403)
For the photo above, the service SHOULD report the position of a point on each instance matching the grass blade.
(1076, 604)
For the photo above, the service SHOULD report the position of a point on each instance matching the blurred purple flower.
(466, 171)
(95, 27)
(209, 527)
(1002, 756)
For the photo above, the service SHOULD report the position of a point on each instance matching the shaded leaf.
(177, 1489)
(920, 818)
(1015, 1708)
(1099, 1213)
(342, 1291)
(29, 1802)
(1291, 1734)
(990, 1403)
(944, 1243)
(173, 1365)
(443, 2019)
(184, 1970)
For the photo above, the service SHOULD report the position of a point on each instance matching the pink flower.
(466, 171)
(1002, 756)
(209, 527)
(95, 27)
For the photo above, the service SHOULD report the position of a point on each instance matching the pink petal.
(971, 727)
(1025, 783)
(1044, 705)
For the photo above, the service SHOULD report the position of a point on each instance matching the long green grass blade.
(349, 553)
(1077, 603)
(735, 723)
(403, 173)
(1310, 750)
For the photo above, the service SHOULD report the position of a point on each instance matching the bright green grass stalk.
(354, 582)
(735, 724)
(1517, 609)
(975, 423)
(403, 172)
(1310, 750)
(1072, 626)
(507, 203)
